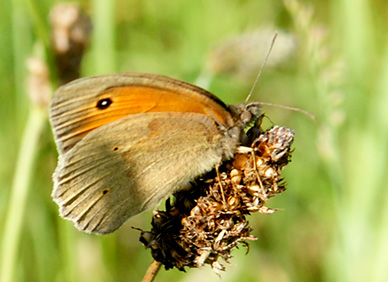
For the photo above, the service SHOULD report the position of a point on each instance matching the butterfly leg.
(220, 183)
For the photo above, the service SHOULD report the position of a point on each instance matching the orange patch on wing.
(128, 100)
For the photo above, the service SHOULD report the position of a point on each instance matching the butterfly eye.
(104, 103)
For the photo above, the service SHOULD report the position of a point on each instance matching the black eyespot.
(104, 103)
(115, 148)
(105, 191)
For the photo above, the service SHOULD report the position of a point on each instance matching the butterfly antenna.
(307, 113)
(262, 67)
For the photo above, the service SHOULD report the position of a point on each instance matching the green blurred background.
(331, 58)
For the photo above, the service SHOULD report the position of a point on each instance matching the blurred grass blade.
(103, 37)
(380, 250)
(19, 193)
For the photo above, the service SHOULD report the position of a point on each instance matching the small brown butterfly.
(127, 141)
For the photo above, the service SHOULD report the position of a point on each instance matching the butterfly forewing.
(80, 107)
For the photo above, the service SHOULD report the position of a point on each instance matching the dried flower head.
(38, 82)
(71, 29)
(206, 222)
(239, 55)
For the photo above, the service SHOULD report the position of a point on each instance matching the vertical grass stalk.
(19, 193)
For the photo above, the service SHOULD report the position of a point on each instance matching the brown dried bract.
(206, 222)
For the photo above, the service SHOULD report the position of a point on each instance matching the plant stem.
(152, 271)
(19, 192)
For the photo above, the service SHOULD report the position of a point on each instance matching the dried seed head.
(38, 82)
(206, 222)
(70, 36)
(238, 55)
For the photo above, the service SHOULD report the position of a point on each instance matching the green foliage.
(333, 223)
